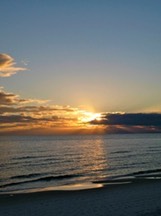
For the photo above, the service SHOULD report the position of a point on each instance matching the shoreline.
(136, 198)
(138, 177)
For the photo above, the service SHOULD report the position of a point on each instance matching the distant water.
(29, 162)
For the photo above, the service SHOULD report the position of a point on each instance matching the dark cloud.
(16, 119)
(131, 119)
(130, 122)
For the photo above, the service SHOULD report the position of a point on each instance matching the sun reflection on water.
(94, 159)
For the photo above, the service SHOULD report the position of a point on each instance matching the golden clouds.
(7, 66)
(7, 98)
(20, 115)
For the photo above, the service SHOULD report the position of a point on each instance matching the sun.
(90, 116)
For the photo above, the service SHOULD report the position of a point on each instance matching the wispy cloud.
(20, 114)
(7, 98)
(17, 114)
(7, 66)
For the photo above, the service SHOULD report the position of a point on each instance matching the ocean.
(36, 162)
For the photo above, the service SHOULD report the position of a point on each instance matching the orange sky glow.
(32, 116)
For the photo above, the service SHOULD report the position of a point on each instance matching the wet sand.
(142, 198)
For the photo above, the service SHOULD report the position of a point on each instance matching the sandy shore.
(133, 199)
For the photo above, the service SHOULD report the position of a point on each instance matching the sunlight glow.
(89, 116)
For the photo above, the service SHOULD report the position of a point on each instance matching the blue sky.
(104, 55)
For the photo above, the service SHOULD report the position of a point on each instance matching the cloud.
(15, 115)
(7, 66)
(131, 119)
(9, 98)
(20, 114)
(130, 122)
(13, 99)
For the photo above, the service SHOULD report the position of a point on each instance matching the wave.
(145, 172)
(26, 176)
(133, 177)
(24, 157)
(50, 178)
(47, 178)
(119, 152)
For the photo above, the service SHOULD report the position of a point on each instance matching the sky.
(71, 65)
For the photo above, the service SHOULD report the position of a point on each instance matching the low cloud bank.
(130, 122)
(20, 115)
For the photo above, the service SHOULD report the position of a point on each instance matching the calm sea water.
(28, 162)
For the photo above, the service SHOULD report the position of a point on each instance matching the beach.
(140, 198)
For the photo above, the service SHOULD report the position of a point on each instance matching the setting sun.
(90, 116)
